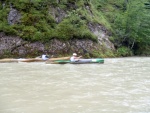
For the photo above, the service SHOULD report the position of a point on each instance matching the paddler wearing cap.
(74, 58)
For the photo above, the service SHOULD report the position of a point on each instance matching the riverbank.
(16, 47)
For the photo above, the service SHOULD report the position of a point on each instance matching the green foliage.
(74, 27)
(9, 30)
(7, 54)
(124, 51)
(28, 32)
(37, 36)
(37, 24)
(132, 26)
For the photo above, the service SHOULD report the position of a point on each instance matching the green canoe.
(80, 61)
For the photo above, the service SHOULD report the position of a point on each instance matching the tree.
(132, 28)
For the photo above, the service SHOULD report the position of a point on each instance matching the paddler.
(75, 58)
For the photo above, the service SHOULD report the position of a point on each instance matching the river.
(120, 85)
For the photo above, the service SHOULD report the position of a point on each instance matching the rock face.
(57, 13)
(13, 16)
(102, 35)
(20, 48)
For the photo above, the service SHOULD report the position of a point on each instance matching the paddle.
(60, 58)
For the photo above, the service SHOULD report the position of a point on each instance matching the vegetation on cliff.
(127, 21)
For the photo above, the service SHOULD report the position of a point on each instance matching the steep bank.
(58, 28)
(12, 46)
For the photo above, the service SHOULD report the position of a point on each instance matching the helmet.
(74, 54)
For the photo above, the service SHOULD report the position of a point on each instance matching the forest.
(128, 21)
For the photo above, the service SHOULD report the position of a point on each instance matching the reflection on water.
(120, 85)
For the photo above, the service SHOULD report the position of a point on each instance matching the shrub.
(124, 51)
(28, 32)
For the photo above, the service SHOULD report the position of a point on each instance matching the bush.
(9, 30)
(74, 27)
(124, 51)
(28, 32)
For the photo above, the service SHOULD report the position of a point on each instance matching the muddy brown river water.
(120, 85)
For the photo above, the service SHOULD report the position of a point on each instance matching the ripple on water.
(120, 85)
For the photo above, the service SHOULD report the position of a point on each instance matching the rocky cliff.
(15, 46)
